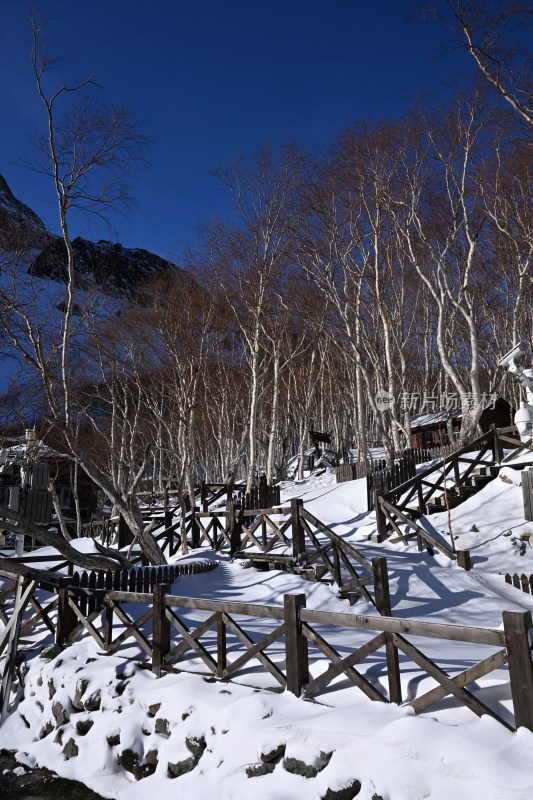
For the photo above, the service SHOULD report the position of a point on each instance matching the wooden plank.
(132, 629)
(184, 645)
(161, 628)
(85, 623)
(428, 537)
(343, 664)
(517, 626)
(344, 546)
(322, 551)
(298, 534)
(463, 695)
(296, 655)
(222, 647)
(464, 678)
(24, 591)
(194, 645)
(229, 607)
(383, 605)
(352, 674)
(255, 650)
(430, 630)
(42, 613)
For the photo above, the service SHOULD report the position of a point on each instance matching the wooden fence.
(194, 634)
(225, 638)
(522, 582)
(411, 455)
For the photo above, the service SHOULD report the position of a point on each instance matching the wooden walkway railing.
(225, 638)
(404, 504)
(231, 638)
(389, 518)
(413, 495)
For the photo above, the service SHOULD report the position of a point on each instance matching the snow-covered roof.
(435, 418)
(15, 454)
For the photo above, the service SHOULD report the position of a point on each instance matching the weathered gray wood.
(255, 650)
(426, 536)
(229, 607)
(517, 626)
(347, 548)
(381, 522)
(161, 628)
(463, 559)
(527, 493)
(464, 678)
(431, 630)
(108, 626)
(352, 674)
(190, 641)
(66, 619)
(222, 649)
(463, 695)
(132, 629)
(195, 528)
(183, 645)
(497, 447)
(298, 535)
(296, 655)
(383, 605)
(24, 591)
(343, 664)
(42, 613)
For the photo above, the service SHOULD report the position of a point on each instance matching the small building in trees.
(434, 429)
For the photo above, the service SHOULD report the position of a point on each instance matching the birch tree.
(88, 153)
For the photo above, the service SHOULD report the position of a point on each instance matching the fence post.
(464, 560)
(234, 526)
(124, 534)
(221, 645)
(381, 521)
(383, 605)
(161, 628)
(195, 528)
(298, 533)
(527, 493)
(497, 447)
(168, 514)
(296, 654)
(66, 618)
(108, 625)
(516, 625)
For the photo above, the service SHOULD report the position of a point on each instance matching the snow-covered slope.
(446, 752)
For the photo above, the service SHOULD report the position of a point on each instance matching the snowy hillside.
(114, 726)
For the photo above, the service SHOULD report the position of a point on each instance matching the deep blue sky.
(213, 80)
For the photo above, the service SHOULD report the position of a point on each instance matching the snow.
(442, 753)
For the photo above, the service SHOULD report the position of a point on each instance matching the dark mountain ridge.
(118, 271)
(20, 227)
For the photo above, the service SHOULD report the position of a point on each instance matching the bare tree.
(495, 34)
(89, 154)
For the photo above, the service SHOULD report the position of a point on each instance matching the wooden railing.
(163, 627)
(389, 518)
(232, 638)
(414, 494)
(404, 504)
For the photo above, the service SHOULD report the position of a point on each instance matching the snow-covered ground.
(221, 730)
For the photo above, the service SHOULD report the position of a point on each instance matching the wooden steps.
(483, 476)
